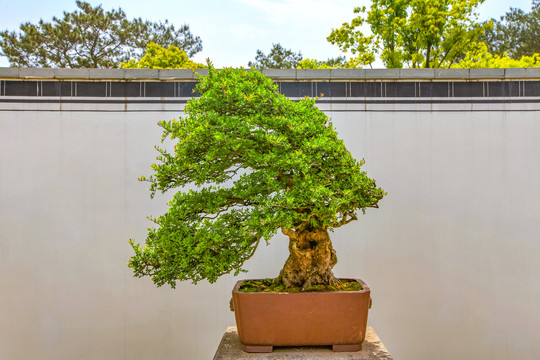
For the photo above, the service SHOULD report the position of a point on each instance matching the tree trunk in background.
(311, 259)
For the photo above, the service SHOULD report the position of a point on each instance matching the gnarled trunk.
(311, 259)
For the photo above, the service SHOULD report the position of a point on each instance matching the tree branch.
(289, 232)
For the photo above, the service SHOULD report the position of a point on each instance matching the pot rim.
(365, 288)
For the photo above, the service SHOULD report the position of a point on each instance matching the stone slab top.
(13, 73)
(372, 348)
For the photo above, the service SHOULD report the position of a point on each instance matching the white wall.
(451, 255)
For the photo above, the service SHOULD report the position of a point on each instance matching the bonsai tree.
(255, 163)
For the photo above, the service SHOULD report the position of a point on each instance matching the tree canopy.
(90, 37)
(332, 63)
(255, 162)
(281, 58)
(480, 57)
(158, 57)
(516, 33)
(416, 33)
(277, 58)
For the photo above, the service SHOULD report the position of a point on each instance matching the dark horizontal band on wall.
(345, 89)
(72, 100)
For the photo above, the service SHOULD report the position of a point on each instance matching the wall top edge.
(11, 73)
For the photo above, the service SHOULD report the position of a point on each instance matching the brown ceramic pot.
(335, 318)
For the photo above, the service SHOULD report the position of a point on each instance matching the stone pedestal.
(231, 349)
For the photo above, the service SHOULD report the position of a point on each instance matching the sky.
(233, 30)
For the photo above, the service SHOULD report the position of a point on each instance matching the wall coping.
(12, 73)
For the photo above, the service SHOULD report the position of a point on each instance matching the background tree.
(167, 35)
(257, 163)
(416, 33)
(332, 63)
(90, 37)
(480, 57)
(517, 33)
(278, 58)
(158, 57)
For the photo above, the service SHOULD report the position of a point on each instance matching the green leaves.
(90, 38)
(256, 162)
(515, 34)
(277, 58)
(158, 57)
(479, 57)
(417, 33)
(332, 63)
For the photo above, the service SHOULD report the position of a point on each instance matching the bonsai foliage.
(256, 162)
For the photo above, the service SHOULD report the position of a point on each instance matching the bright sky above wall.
(233, 30)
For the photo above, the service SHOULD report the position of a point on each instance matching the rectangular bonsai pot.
(335, 318)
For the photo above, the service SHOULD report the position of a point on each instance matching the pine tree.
(90, 38)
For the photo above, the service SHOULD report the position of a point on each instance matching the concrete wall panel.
(451, 255)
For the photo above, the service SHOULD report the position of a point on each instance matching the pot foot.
(257, 349)
(348, 347)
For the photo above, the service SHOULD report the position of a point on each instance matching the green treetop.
(516, 33)
(90, 38)
(256, 163)
(332, 63)
(480, 57)
(158, 57)
(277, 58)
(416, 33)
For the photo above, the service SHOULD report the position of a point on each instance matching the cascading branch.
(258, 163)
